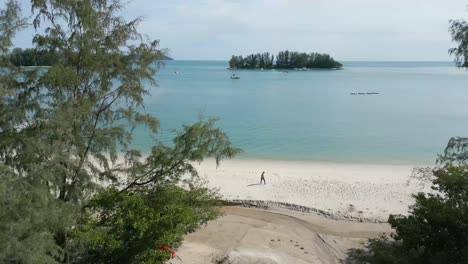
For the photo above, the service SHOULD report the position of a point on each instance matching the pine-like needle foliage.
(63, 129)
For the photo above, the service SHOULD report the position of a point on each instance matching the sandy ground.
(362, 191)
(255, 236)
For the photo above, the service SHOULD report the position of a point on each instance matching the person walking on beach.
(262, 178)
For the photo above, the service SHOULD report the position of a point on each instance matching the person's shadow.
(254, 184)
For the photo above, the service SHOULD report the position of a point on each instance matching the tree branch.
(160, 173)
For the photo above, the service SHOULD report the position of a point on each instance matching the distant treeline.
(31, 57)
(284, 60)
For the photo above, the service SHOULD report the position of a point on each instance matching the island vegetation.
(284, 60)
(34, 57)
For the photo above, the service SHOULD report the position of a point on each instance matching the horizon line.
(339, 60)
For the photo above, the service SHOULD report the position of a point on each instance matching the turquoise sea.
(312, 116)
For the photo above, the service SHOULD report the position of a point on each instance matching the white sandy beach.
(362, 191)
(339, 191)
(334, 207)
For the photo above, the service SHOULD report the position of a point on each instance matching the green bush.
(124, 227)
(435, 231)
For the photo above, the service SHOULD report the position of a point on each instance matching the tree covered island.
(284, 60)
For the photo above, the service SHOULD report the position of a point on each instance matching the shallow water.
(312, 116)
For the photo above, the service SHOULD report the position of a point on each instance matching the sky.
(396, 30)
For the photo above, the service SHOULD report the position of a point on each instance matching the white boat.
(235, 77)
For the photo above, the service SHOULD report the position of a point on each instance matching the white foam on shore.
(358, 191)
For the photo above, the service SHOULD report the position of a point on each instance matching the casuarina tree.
(66, 133)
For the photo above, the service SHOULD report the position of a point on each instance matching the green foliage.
(456, 152)
(62, 130)
(381, 251)
(83, 107)
(10, 23)
(30, 217)
(168, 164)
(459, 31)
(124, 227)
(436, 229)
(284, 60)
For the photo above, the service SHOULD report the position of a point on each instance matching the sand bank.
(248, 236)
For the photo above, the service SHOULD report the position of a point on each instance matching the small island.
(285, 60)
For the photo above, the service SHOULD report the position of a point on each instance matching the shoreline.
(348, 191)
(312, 160)
(293, 159)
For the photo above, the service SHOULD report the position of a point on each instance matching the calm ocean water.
(312, 116)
